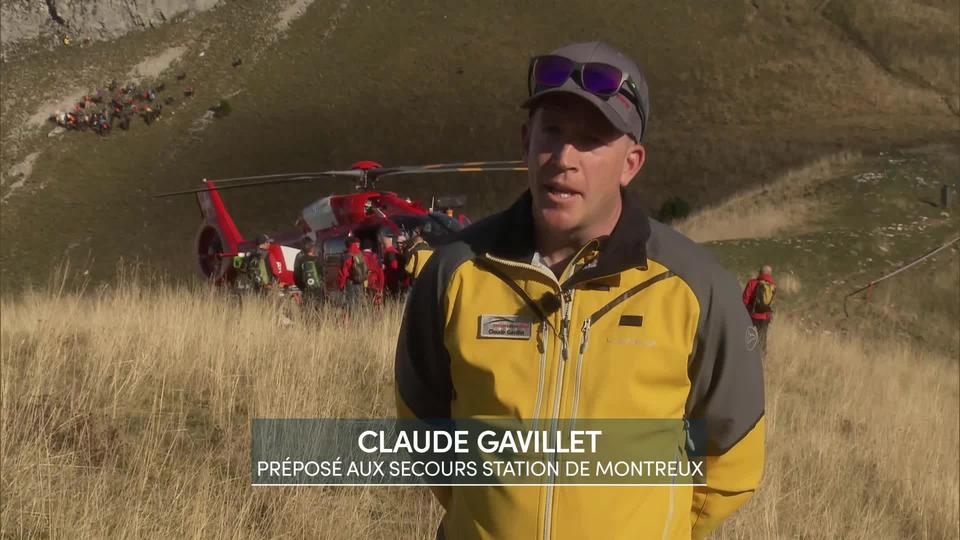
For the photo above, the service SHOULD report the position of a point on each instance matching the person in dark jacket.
(307, 272)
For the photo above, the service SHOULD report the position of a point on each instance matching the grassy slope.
(851, 401)
(873, 217)
(738, 93)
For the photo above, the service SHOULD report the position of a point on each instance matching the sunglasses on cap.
(600, 79)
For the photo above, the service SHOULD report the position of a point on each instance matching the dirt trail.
(21, 172)
(152, 66)
(291, 13)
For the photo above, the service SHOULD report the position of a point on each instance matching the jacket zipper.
(566, 310)
(583, 348)
(542, 347)
(514, 264)
(566, 298)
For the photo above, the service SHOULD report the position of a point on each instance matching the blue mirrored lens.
(602, 79)
(552, 71)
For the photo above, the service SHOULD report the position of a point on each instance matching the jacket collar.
(624, 248)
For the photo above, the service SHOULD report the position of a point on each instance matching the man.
(258, 265)
(616, 316)
(393, 272)
(416, 255)
(758, 296)
(306, 272)
(375, 275)
(354, 272)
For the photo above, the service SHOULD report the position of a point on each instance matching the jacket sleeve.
(273, 266)
(422, 365)
(727, 396)
(390, 260)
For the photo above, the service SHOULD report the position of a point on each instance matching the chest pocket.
(632, 359)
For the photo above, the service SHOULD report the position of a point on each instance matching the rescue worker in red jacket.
(758, 297)
(375, 275)
(354, 272)
(392, 269)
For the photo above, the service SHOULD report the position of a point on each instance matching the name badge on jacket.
(505, 327)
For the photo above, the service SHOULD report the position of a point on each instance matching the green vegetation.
(221, 109)
(675, 207)
(869, 221)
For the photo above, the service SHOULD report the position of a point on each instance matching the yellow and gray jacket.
(417, 256)
(643, 323)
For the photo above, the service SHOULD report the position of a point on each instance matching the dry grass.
(764, 211)
(911, 40)
(126, 413)
(862, 440)
(921, 305)
(788, 283)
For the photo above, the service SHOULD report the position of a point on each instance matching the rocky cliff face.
(49, 21)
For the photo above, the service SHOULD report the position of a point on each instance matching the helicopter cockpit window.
(334, 246)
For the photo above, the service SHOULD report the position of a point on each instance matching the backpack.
(359, 270)
(762, 297)
(311, 277)
(257, 269)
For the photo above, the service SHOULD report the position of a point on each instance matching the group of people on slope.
(362, 273)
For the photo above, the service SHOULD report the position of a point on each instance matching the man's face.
(577, 162)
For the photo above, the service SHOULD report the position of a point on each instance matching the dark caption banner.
(388, 451)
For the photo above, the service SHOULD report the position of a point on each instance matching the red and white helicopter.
(368, 214)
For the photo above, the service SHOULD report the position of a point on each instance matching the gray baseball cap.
(618, 108)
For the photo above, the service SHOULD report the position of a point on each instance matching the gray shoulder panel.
(725, 370)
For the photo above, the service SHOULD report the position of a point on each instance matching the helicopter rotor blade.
(372, 174)
(352, 173)
(453, 170)
(270, 181)
(441, 167)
